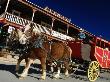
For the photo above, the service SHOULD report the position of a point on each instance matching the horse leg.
(43, 65)
(18, 64)
(19, 61)
(58, 72)
(52, 68)
(50, 64)
(66, 64)
(25, 71)
(26, 61)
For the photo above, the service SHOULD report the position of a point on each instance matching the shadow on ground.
(11, 69)
(36, 69)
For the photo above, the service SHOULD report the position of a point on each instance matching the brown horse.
(43, 50)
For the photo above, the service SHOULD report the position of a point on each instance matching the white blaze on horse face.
(27, 27)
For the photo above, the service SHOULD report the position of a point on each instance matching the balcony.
(23, 22)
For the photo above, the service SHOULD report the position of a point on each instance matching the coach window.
(102, 44)
(107, 46)
(98, 43)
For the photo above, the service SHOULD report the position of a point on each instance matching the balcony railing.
(15, 19)
(23, 22)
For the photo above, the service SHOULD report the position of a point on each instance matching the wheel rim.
(93, 71)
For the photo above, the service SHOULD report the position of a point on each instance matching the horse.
(53, 51)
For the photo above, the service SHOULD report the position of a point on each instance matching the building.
(18, 13)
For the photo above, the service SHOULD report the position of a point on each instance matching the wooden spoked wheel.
(93, 71)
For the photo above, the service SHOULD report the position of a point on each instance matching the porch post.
(52, 26)
(7, 6)
(33, 14)
(67, 29)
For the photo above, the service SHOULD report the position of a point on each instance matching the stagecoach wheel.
(93, 71)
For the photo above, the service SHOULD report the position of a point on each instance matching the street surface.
(7, 74)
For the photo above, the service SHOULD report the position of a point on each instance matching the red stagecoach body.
(79, 49)
(92, 52)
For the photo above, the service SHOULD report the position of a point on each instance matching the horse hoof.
(21, 78)
(56, 76)
(42, 78)
(66, 76)
(17, 73)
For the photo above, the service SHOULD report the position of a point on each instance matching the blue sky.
(92, 15)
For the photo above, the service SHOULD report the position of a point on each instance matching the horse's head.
(30, 30)
(14, 35)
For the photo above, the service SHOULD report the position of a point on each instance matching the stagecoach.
(92, 54)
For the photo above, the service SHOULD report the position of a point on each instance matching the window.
(61, 30)
(98, 43)
(45, 24)
(102, 44)
(17, 13)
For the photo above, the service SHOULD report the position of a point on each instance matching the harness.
(39, 42)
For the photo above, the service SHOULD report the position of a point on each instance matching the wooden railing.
(15, 19)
